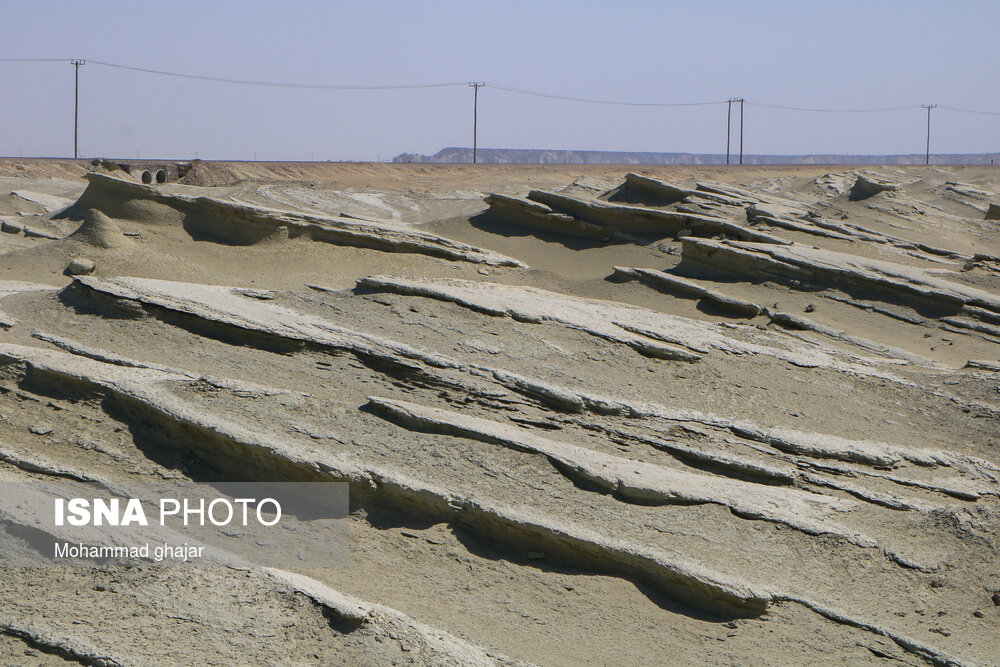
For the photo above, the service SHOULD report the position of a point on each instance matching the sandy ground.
(699, 416)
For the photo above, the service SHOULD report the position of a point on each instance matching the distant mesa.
(542, 156)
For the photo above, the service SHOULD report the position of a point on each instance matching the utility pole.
(927, 159)
(741, 130)
(729, 126)
(76, 108)
(475, 116)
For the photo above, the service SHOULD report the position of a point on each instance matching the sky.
(836, 54)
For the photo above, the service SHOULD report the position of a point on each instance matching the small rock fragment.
(10, 227)
(996, 598)
(39, 234)
(40, 429)
(810, 308)
(253, 293)
(80, 267)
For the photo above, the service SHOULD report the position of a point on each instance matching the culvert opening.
(147, 176)
(161, 175)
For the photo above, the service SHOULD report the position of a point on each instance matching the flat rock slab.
(649, 332)
(685, 286)
(830, 267)
(50, 203)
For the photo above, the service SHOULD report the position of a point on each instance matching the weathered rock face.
(522, 212)
(877, 279)
(993, 212)
(231, 223)
(762, 438)
(967, 190)
(638, 188)
(868, 185)
(558, 491)
(574, 215)
(686, 287)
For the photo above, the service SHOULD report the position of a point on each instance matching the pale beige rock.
(80, 266)
(521, 458)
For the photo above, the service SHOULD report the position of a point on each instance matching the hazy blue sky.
(833, 54)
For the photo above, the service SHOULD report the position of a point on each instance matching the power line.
(497, 86)
(276, 84)
(244, 82)
(477, 85)
(816, 110)
(565, 98)
(984, 113)
(36, 60)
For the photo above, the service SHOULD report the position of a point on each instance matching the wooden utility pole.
(927, 157)
(475, 116)
(741, 130)
(729, 125)
(76, 108)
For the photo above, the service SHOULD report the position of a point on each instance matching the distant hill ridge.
(539, 156)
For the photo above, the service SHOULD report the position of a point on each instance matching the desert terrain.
(681, 415)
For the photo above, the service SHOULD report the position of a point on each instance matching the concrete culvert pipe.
(161, 175)
(146, 176)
